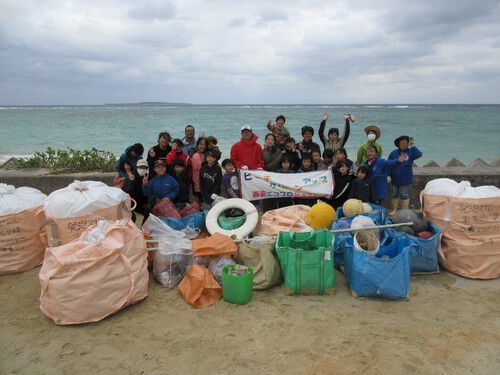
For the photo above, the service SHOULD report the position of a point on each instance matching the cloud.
(225, 52)
(153, 11)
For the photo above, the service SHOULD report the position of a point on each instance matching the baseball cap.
(160, 162)
(246, 127)
(142, 163)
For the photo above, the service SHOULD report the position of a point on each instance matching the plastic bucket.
(367, 242)
(237, 289)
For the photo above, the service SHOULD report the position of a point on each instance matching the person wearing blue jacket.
(402, 177)
(161, 187)
(379, 168)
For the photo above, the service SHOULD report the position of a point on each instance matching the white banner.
(261, 184)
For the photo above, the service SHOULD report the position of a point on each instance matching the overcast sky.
(250, 52)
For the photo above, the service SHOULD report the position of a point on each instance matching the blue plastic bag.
(424, 256)
(385, 275)
(379, 217)
(193, 221)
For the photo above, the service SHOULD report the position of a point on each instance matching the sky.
(249, 52)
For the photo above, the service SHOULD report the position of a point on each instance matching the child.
(307, 146)
(286, 167)
(379, 168)
(120, 180)
(210, 179)
(342, 184)
(292, 153)
(212, 146)
(133, 187)
(318, 163)
(231, 179)
(341, 154)
(179, 173)
(328, 158)
(177, 152)
(161, 187)
(362, 187)
(280, 131)
(402, 177)
(197, 159)
(307, 164)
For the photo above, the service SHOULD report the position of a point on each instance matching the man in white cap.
(247, 153)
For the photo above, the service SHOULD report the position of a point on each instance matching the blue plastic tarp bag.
(378, 215)
(424, 257)
(385, 275)
(340, 239)
(193, 221)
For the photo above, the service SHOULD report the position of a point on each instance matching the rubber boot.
(394, 207)
(405, 203)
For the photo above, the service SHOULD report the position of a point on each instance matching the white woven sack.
(14, 200)
(82, 198)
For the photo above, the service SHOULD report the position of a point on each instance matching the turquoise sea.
(441, 132)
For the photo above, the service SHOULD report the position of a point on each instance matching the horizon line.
(145, 104)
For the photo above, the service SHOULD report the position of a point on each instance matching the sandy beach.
(450, 325)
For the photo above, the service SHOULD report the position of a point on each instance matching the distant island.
(148, 104)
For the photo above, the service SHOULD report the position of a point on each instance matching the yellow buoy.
(352, 207)
(320, 216)
(367, 208)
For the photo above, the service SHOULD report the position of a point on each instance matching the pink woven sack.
(470, 233)
(286, 219)
(22, 246)
(85, 281)
(61, 231)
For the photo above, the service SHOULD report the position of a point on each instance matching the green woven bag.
(306, 261)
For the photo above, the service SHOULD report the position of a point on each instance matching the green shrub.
(71, 161)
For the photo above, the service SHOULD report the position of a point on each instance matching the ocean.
(441, 132)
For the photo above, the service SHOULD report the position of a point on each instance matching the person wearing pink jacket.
(196, 160)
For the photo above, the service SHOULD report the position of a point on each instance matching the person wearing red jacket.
(247, 153)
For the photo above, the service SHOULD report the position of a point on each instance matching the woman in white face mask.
(372, 134)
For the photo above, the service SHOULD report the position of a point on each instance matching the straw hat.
(374, 129)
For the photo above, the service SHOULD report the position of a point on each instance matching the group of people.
(188, 169)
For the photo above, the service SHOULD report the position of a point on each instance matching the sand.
(450, 325)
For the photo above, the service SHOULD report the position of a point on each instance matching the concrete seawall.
(39, 179)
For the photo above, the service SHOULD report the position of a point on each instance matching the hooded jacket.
(247, 153)
(126, 158)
